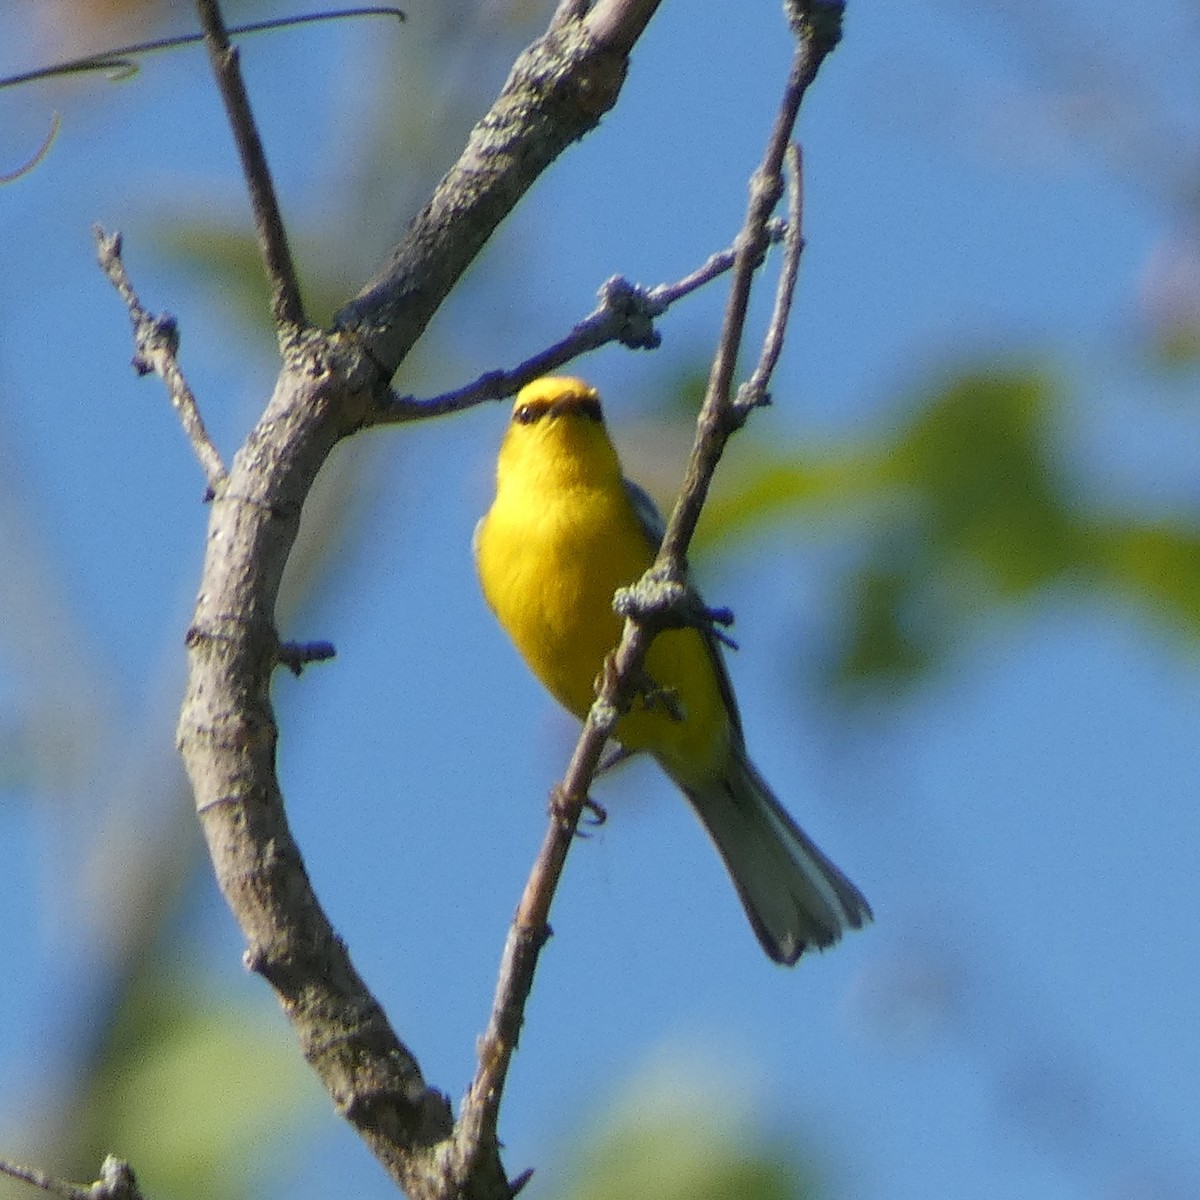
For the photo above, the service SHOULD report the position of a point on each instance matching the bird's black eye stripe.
(585, 405)
(590, 407)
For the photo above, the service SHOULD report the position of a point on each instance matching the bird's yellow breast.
(551, 552)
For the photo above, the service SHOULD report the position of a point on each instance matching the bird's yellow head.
(557, 436)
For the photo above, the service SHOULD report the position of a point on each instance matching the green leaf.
(193, 1088)
(1159, 566)
(882, 644)
(689, 1149)
(980, 459)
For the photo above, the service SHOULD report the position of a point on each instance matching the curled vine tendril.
(121, 63)
(38, 154)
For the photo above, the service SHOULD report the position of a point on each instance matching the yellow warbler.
(565, 531)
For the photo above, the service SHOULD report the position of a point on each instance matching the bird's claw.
(563, 810)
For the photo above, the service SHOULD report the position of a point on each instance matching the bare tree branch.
(653, 603)
(156, 346)
(287, 306)
(817, 27)
(625, 314)
(557, 91)
(116, 1181)
(328, 388)
(754, 391)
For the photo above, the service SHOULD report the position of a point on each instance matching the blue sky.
(1020, 1021)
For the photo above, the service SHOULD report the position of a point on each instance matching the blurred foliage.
(680, 1145)
(226, 256)
(964, 509)
(78, 27)
(1176, 346)
(192, 1089)
(82, 26)
(230, 258)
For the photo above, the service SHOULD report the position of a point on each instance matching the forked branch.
(332, 385)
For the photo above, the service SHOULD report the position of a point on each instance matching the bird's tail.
(794, 896)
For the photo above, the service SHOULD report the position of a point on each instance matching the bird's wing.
(653, 525)
(655, 528)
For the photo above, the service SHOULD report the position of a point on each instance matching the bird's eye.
(526, 414)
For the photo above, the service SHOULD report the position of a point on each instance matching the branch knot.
(633, 307)
(659, 602)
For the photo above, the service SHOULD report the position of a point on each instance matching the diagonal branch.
(557, 91)
(287, 307)
(156, 346)
(643, 604)
(753, 393)
(116, 1181)
(626, 314)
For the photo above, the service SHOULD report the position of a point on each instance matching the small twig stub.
(156, 347)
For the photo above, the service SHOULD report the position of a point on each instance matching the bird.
(565, 530)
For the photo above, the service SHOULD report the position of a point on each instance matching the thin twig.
(625, 314)
(38, 155)
(719, 416)
(753, 393)
(623, 669)
(39, 1179)
(119, 62)
(287, 306)
(156, 346)
(116, 1181)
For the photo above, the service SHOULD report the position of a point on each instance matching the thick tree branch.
(329, 387)
(647, 606)
(558, 90)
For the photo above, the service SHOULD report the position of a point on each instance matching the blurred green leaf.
(774, 489)
(980, 458)
(1174, 346)
(881, 645)
(687, 1148)
(964, 509)
(191, 1090)
(227, 257)
(1157, 565)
